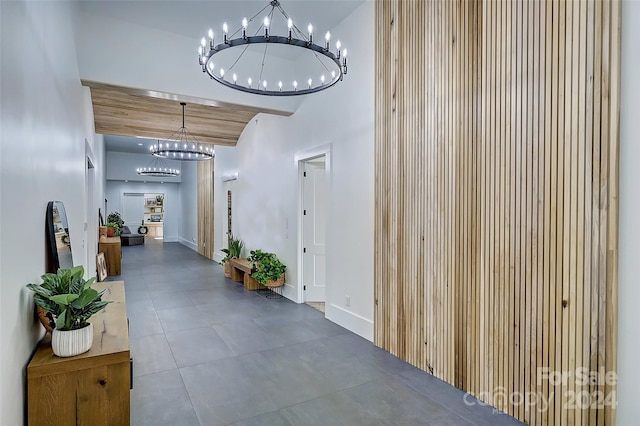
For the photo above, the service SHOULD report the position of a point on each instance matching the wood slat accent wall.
(496, 198)
(205, 208)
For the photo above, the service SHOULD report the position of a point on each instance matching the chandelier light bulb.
(264, 84)
(225, 28)
(210, 33)
(327, 38)
(235, 78)
(266, 26)
(310, 81)
(322, 78)
(221, 72)
(289, 23)
(333, 75)
(203, 42)
(211, 66)
(245, 23)
(344, 53)
(249, 81)
(310, 28)
(338, 46)
(295, 85)
(280, 85)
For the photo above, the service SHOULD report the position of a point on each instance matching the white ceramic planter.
(72, 342)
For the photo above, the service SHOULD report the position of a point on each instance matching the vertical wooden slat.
(205, 208)
(496, 195)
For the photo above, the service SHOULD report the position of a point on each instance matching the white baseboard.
(290, 292)
(170, 239)
(218, 256)
(193, 246)
(352, 322)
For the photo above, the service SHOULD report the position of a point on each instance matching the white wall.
(629, 243)
(188, 193)
(43, 127)
(95, 151)
(128, 54)
(122, 166)
(116, 190)
(267, 189)
(226, 162)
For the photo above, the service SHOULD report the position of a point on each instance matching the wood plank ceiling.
(126, 111)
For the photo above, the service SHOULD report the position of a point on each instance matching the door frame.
(300, 158)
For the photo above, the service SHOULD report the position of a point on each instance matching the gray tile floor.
(208, 352)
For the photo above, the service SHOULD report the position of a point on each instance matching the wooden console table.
(112, 249)
(90, 388)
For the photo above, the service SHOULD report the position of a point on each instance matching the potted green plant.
(113, 229)
(234, 251)
(115, 217)
(159, 199)
(69, 302)
(268, 269)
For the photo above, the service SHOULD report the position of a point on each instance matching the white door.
(313, 230)
(133, 210)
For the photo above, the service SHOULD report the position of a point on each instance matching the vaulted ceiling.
(126, 111)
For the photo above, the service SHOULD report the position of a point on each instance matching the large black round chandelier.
(330, 68)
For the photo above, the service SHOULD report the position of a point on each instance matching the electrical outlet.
(347, 300)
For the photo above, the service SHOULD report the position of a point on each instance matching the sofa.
(129, 239)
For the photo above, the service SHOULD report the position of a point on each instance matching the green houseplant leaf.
(266, 266)
(68, 297)
(234, 250)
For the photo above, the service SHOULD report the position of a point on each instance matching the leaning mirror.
(58, 240)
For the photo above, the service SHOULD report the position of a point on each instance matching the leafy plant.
(115, 217)
(234, 250)
(266, 266)
(68, 297)
(115, 226)
(159, 199)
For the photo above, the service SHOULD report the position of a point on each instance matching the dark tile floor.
(208, 352)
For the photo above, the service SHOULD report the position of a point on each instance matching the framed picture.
(102, 267)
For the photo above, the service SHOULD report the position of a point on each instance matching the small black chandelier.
(182, 146)
(158, 168)
(334, 65)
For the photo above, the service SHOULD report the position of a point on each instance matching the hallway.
(208, 352)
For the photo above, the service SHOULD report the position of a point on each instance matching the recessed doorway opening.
(313, 183)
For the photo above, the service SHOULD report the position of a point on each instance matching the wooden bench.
(241, 272)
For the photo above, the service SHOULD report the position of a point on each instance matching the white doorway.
(133, 210)
(313, 220)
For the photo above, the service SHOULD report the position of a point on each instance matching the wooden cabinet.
(112, 249)
(88, 389)
(154, 230)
